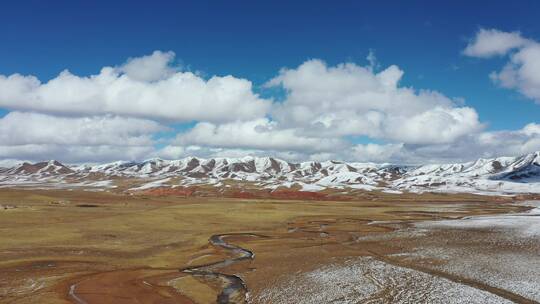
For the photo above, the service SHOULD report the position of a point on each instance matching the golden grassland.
(130, 247)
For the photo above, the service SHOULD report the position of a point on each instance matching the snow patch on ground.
(152, 184)
(525, 225)
(366, 280)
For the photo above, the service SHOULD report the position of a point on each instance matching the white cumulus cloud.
(350, 100)
(491, 42)
(522, 71)
(75, 153)
(145, 87)
(36, 136)
(256, 134)
(20, 128)
(148, 68)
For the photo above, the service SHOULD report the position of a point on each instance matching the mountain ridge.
(503, 175)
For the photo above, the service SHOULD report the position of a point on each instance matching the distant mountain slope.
(498, 175)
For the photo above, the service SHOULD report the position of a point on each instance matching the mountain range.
(502, 175)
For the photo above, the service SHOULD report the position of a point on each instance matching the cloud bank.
(346, 111)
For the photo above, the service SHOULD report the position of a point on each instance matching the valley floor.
(60, 246)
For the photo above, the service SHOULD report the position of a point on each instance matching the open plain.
(60, 246)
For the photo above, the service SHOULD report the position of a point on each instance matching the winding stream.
(235, 289)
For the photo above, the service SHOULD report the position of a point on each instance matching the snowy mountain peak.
(501, 175)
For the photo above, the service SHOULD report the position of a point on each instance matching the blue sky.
(253, 40)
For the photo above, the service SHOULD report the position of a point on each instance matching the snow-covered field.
(502, 251)
(481, 259)
(366, 280)
(525, 226)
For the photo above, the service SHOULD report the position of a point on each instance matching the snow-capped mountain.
(498, 175)
(504, 175)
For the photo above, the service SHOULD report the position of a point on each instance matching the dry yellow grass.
(84, 236)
